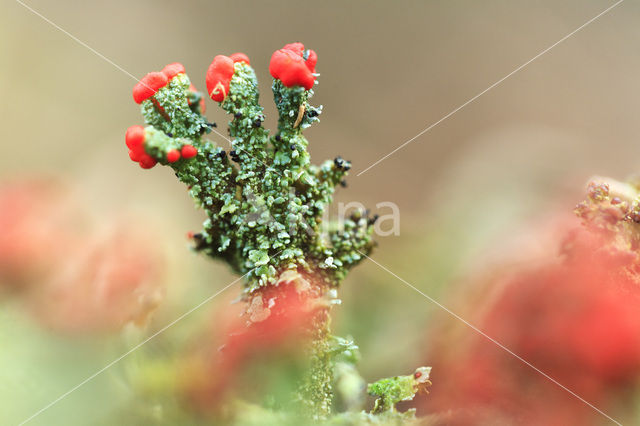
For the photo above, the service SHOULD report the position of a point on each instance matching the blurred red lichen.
(573, 315)
(34, 217)
(70, 276)
(271, 334)
(103, 285)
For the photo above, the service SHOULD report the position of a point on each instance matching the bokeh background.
(512, 158)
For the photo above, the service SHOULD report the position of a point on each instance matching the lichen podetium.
(264, 200)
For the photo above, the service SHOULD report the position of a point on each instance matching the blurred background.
(511, 159)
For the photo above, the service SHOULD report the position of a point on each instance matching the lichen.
(392, 390)
(265, 211)
(265, 204)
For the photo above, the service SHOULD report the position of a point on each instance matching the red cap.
(147, 161)
(134, 138)
(173, 155)
(218, 77)
(296, 47)
(189, 151)
(289, 66)
(312, 60)
(240, 57)
(135, 155)
(148, 86)
(173, 69)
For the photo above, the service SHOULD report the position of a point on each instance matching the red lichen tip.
(189, 151)
(219, 77)
(147, 161)
(240, 57)
(173, 155)
(173, 69)
(312, 60)
(134, 138)
(148, 86)
(289, 66)
(135, 156)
